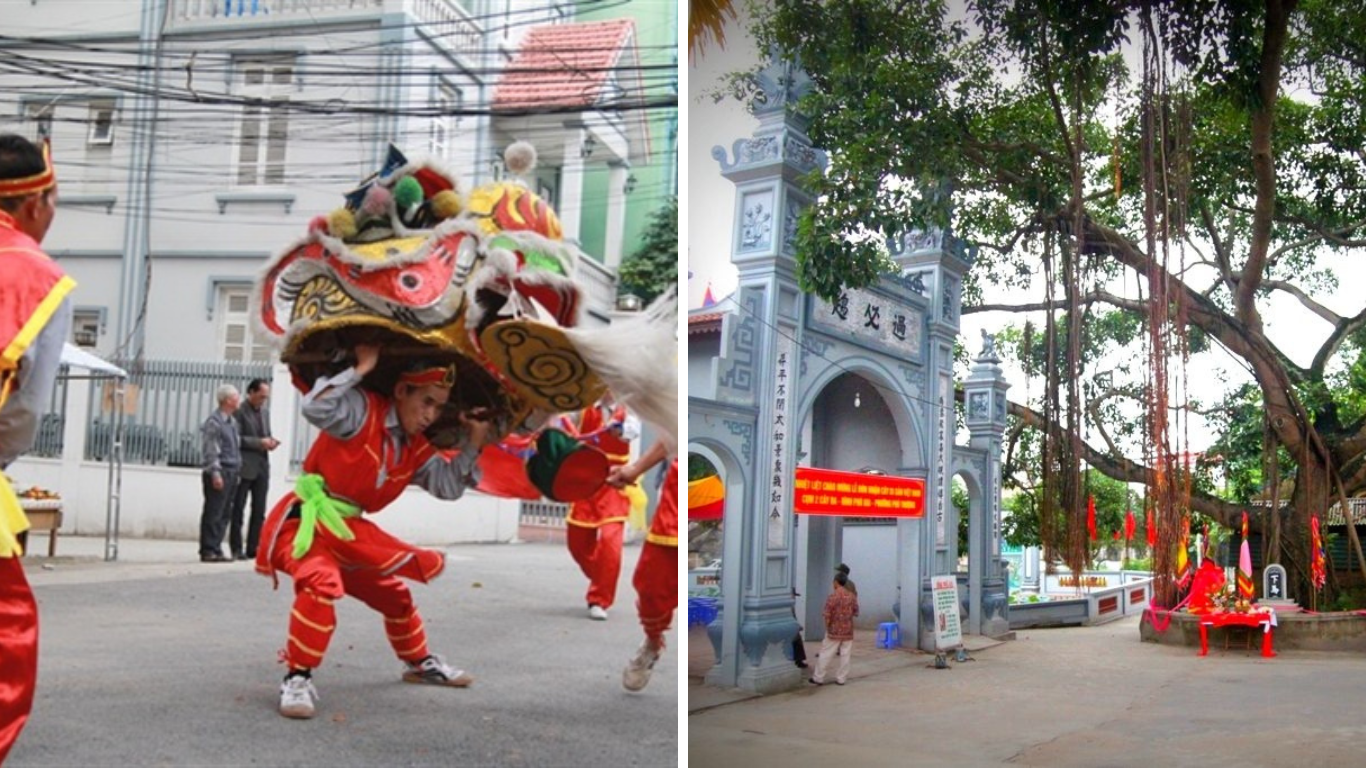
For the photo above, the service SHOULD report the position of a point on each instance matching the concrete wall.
(870, 553)
(701, 351)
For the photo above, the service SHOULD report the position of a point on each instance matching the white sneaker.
(637, 673)
(597, 613)
(435, 671)
(296, 697)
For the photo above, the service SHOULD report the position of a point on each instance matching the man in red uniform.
(656, 576)
(371, 448)
(35, 319)
(596, 525)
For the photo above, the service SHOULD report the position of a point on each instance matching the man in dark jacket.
(253, 425)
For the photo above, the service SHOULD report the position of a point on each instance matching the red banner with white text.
(853, 494)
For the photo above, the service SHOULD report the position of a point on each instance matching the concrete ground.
(1085, 697)
(160, 660)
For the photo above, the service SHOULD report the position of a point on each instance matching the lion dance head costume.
(482, 282)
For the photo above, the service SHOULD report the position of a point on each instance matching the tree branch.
(1345, 327)
(1127, 471)
(1087, 300)
(1309, 303)
(1263, 161)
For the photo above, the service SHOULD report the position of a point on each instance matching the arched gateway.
(780, 380)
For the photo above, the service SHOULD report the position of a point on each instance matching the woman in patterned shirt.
(840, 609)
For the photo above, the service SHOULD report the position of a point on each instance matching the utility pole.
(136, 266)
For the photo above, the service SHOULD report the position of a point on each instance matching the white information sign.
(948, 633)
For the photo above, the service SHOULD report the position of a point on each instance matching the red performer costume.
(597, 524)
(35, 318)
(371, 448)
(656, 576)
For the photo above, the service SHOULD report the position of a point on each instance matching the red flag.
(1152, 530)
(1318, 566)
(1245, 586)
(1091, 516)
(1128, 524)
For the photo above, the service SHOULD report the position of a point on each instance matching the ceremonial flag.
(1091, 516)
(1129, 525)
(1318, 568)
(1152, 530)
(1245, 589)
(1183, 566)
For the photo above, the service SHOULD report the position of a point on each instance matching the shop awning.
(706, 498)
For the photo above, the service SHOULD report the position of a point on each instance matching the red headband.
(29, 185)
(440, 375)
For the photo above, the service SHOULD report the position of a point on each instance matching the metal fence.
(48, 443)
(165, 402)
(543, 514)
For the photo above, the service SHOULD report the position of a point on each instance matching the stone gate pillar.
(985, 397)
(934, 262)
(765, 170)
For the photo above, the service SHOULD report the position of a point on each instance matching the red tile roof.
(707, 323)
(563, 65)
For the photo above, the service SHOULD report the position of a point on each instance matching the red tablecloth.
(1264, 620)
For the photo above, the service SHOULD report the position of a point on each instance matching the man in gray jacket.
(222, 460)
(253, 425)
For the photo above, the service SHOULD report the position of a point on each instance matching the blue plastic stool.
(889, 635)
(701, 611)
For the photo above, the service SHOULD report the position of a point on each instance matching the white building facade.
(194, 139)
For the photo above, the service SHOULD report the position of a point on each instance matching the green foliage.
(986, 113)
(1350, 600)
(958, 495)
(1021, 526)
(699, 467)
(653, 268)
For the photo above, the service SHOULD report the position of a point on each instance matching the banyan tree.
(1148, 184)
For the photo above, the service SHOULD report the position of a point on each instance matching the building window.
(38, 118)
(235, 335)
(446, 100)
(101, 123)
(264, 135)
(86, 325)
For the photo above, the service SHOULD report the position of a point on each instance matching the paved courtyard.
(159, 660)
(1085, 697)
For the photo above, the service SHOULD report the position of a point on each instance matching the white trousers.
(829, 649)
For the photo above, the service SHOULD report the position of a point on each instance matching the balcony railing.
(449, 23)
(444, 21)
(209, 10)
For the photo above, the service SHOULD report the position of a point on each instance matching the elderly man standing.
(222, 462)
(35, 318)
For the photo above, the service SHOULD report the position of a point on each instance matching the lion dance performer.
(371, 448)
(35, 318)
(596, 525)
(656, 576)
(473, 299)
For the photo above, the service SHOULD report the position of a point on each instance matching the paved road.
(1087, 697)
(159, 660)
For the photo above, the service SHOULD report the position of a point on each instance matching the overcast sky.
(710, 211)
